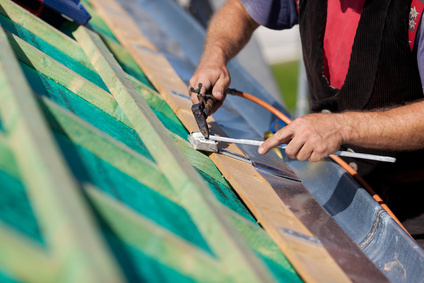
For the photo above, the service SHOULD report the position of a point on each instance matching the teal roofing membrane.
(381, 239)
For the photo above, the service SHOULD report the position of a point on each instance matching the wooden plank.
(239, 260)
(25, 260)
(65, 77)
(65, 218)
(105, 147)
(311, 261)
(155, 241)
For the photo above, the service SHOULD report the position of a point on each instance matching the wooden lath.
(193, 193)
(70, 230)
(36, 266)
(311, 261)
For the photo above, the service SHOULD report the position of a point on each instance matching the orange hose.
(337, 159)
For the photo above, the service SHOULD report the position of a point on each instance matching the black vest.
(383, 72)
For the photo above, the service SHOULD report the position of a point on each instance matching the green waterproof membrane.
(227, 197)
(15, 208)
(4, 278)
(89, 168)
(282, 270)
(56, 54)
(137, 266)
(85, 110)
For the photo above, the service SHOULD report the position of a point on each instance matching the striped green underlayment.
(70, 115)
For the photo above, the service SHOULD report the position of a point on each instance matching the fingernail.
(219, 95)
(261, 150)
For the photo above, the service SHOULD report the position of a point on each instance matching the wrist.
(348, 127)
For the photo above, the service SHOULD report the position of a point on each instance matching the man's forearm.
(315, 136)
(228, 32)
(400, 128)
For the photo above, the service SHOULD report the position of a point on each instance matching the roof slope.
(99, 182)
(87, 196)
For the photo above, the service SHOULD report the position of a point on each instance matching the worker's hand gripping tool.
(203, 109)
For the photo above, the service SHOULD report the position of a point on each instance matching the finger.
(194, 84)
(304, 153)
(194, 98)
(320, 151)
(220, 87)
(217, 105)
(282, 136)
(315, 157)
(205, 87)
(295, 145)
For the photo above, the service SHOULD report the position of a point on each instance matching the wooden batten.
(312, 262)
(36, 266)
(237, 259)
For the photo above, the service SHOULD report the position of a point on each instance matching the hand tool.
(203, 109)
(200, 143)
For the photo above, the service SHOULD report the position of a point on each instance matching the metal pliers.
(203, 109)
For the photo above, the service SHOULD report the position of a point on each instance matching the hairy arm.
(228, 32)
(316, 136)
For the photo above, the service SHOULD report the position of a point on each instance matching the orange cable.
(337, 159)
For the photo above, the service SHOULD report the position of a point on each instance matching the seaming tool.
(200, 142)
(203, 109)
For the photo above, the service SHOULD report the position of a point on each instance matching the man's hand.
(212, 76)
(311, 137)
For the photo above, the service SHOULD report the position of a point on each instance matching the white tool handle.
(366, 156)
(283, 146)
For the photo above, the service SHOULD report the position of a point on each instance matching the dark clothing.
(383, 72)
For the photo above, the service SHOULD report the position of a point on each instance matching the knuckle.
(314, 158)
(301, 157)
(290, 152)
